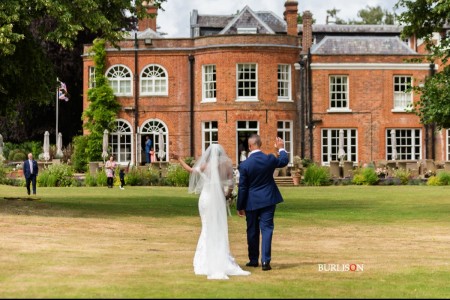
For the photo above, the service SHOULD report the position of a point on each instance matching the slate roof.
(265, 22)
(334, 29)
(361, 45)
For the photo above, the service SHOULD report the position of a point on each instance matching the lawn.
(95, 242)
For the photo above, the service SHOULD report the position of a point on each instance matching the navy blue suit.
(30, 177)
(258, 195)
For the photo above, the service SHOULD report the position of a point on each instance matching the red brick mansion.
(327, 90)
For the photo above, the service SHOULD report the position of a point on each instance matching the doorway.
(244, 130)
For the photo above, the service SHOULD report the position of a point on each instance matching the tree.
(42, 40)
(333, 14)
(423, 18)
(103, 105)
(300, 19)
(375, 15)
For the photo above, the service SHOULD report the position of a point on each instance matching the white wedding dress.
(212, 256)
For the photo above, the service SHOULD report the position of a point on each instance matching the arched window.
(158, 133)
(120, 79)
(121, 142)
(154, 81)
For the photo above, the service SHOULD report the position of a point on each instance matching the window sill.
(247, 100)
(400, 110)
(208, 101)
(340, 110)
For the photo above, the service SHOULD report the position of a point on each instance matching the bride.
(212, 177)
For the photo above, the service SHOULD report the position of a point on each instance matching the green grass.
(139, 243)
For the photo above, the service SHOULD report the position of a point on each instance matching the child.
(122, 179)
(152, 155)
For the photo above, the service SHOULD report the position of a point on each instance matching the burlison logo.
(341, 267)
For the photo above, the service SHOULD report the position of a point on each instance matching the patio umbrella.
(46, 146)
(1, 144)
(161, 152)
(59, 152)
(341, 152)
(105, 145)
(393, 145)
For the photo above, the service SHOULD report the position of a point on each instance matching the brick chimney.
(149, 22)
(307, 38)
(290, 16)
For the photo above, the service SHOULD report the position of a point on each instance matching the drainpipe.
(192, 96)
(136, 97)
(302, 108)
(309, 99)
(433, 126)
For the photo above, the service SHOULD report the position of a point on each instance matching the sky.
(175, 19)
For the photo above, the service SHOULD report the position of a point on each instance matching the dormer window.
(246, 30)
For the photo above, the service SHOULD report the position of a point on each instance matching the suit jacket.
(257, 187)
(26, 168)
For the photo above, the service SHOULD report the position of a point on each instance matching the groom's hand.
(241, 213)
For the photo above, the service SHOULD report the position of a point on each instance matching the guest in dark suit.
(30, 170)
(258, 196)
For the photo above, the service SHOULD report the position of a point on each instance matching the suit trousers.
(260, 221)
(31, 180)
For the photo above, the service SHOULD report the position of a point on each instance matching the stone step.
(284, 181)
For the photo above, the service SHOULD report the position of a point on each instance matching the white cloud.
(175, 19)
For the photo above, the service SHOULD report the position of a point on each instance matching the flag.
(62, 92)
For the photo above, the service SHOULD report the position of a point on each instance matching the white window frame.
(339, 89)
(154, 81)
(121, 142)
(210, 134)
(285, 131)
(408, 143)
(249, 82)
(447, 138)
(330, 145)
(91, 77)
(209, 83)
(120, 79)
(284, 82)
(402, 99)
(248, 30)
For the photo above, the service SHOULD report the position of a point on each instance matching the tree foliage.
(369, 15)
(61, 21)
(103, 105)
(424, 18)
(41, 40)
(375, 15)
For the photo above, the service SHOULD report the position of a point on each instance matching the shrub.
(101, 178)
(444, 178)
(56, 175)
(90, 180)
(177, 175)
(433, 181)
(316, 176)
(365, 176)
(17, 155)
(142, 177)
(306, 162)
(403, 175)
(79, 156)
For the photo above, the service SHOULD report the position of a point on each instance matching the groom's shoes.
(252, 264)
(266, 266)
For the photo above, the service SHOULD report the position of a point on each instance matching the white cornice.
(371, 66)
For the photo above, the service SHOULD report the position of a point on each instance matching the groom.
(258, 196)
